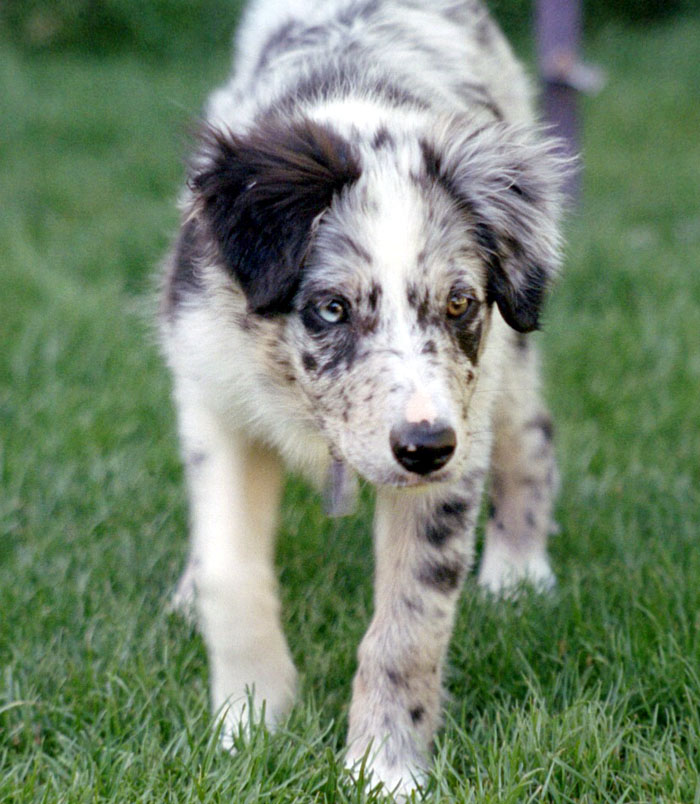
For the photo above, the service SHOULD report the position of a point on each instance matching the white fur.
(255, 392)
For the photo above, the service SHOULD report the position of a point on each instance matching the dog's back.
(445, 55)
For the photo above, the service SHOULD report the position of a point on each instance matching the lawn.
(590, 695)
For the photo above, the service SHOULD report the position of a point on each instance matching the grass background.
(592, 695)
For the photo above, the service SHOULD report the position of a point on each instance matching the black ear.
(260, 194)
(508, 180)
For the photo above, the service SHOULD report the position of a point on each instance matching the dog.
(370, 226)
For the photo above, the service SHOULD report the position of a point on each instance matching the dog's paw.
(503, 575)
(400, 780)
(239, 720)
(241, 706)
(236, 723)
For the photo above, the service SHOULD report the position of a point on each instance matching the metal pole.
(558, 34)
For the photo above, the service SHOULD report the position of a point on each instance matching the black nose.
(422, 448)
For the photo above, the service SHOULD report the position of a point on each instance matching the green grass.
(592, 695)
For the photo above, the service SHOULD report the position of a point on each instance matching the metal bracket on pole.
(564, 68)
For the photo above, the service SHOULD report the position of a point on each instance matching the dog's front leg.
(424, 547)
(234, 487)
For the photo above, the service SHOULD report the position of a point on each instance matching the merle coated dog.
(369, 229)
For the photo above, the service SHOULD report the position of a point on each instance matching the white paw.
(240, 716)
(238, 719)
(503, 574)
(399, 780)
(266, 701)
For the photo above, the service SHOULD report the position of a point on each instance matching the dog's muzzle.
(423, 447)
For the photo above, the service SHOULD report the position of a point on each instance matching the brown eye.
(458, 304)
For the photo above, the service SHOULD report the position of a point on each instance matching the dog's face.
(384, 261)
(389, 322)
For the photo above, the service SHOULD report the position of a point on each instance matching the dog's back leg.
(523, 481)
(234, 489)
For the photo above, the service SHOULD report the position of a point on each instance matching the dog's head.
(384, 257)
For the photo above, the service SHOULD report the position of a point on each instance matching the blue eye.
(332, 311)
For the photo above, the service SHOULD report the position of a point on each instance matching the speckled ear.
(259, 194)
(508, 180)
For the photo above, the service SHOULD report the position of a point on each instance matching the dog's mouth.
(402, 479)
(411, 480)
(341, 489)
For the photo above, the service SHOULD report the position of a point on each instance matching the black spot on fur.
(359, 11)
(417, 714)
(435, 173)
(479, 95)
(437, 533)
(366, 324)
(443, 576)
(543, 423)
(382, 139)
(418, 299)
(456, 13)
(521, 341)
(398, 95)
(396, 678)
(414, 605)
(349, 243)
(309, 361)
(375, 293)
(454, 508)
(196, 459)
(368, 9)
(518, 190)
(469, 338)
(492, 510)
(432, 160)
(261, 192)
(337, 349)
(429, 348)
(446, 521)
(530, 519)
(412, 296)
(484, 32)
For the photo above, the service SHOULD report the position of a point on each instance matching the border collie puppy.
(369, 228)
